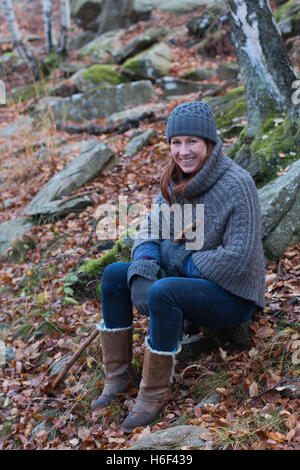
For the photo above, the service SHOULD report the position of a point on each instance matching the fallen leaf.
(223, 353)
(83, 433)
(74, 441)
(253, 389)
(296, 357)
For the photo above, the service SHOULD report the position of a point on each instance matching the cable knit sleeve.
(149, 226)
(145, 245)
(231, 262)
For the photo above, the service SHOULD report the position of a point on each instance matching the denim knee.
(114, 277)
(159, 293)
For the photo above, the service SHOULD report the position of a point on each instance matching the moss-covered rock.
(275, 147)
(102, 73)
(26, 92)
(102, 47)
(152, 63)
(97, 102)
(230, 111)
(97, 75)
(199, 74)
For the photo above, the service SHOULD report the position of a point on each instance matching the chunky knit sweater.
(232, 253)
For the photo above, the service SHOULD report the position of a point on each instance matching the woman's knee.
(160, 292)
(115, 275)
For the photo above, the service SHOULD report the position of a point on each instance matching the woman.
(220, 284)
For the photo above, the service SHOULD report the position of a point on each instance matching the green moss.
(26, 92)
(133, 64)
(190, 74)
(86, 283)
(52, 61)
(227, 108)
(102, 73)
(287, 9)
(273, 149)
(119, 252)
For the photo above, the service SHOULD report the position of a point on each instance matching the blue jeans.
(170, 300)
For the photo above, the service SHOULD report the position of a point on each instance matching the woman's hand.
(140, 288)
(173, 256)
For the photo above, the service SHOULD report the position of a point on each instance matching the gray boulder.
(198, 75)
(94, 76)
(84, 12)
(93, 158)
(137, 112)
(11, 230)
(227, 71)
(98, 102)
(138, 140)
(177, 7)
(22, 124)
(172, 439)
(139, 43)
(280, 207)
(102, 47)
(209, 20)
(172, 86)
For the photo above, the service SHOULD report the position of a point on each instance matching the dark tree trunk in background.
(115, 14)
(263, 60)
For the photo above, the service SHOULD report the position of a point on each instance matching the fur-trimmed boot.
(154, 392)
(117, 360)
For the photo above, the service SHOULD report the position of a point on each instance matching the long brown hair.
(172, 173)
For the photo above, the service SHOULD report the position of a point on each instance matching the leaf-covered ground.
(256, 388)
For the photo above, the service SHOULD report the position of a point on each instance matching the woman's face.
(188, 152)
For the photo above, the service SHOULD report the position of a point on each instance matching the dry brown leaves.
(40, 329)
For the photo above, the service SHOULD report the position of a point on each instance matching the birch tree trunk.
(263, 60)
(65, 27)
(12, 24)
(115, 14)
(49, 30)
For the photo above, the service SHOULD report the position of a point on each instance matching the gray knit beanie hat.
(192, 118)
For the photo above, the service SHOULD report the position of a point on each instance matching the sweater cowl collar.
(211, 171)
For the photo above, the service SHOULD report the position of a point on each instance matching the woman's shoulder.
(237, 178)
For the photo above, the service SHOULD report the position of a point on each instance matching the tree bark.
(49, 30)
(65, 27)
(263, 60)
(115, 14)
(12, 24)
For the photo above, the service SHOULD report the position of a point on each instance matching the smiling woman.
(219, 283)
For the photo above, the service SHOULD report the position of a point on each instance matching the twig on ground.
(274, 387)
(74, 358)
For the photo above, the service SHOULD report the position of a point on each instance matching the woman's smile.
(189, 152)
